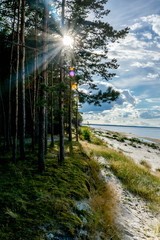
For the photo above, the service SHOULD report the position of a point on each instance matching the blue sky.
(138, 77)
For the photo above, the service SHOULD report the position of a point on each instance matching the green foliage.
(34, 205)
(31, 202)
(86, 133)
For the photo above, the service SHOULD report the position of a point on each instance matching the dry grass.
(145, 164)
(137, 179)
(105, 203)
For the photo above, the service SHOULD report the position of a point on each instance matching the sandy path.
(135, 220)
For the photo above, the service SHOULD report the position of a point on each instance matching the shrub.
(86, 134)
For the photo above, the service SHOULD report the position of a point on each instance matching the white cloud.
(150, 114)
(147, 35)
(152, 76)
(81, 89)
(125, 115)
(142, 65)
(135, 54)
(153, 100)
(127, 97)
(154, 20)
(135, 26)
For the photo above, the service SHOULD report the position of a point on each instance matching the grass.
(34, 206)
(145, 164)
(136, 178)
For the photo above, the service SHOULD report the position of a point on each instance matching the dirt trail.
(135, 220)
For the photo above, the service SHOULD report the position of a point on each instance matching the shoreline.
(147, 133)
(150, 139)
(131, 135)
(133, 146)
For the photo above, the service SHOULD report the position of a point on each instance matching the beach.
(144, 151)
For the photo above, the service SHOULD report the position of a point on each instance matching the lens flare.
(71, 73)
(68, 41)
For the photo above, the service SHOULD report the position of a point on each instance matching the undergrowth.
(37, 206)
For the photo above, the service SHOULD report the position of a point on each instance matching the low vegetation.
(145, 164)
(35, 206)
(131, 141)
(137, 179)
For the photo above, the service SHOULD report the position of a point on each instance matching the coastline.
(143, 150)
(152, 140)
(148, 133)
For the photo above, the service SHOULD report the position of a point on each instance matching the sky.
(138, 77)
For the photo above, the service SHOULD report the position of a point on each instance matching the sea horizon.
(138, 131)
(113, 125)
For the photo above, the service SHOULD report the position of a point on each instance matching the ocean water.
(152, 132)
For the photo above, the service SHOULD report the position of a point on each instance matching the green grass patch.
(34, 206)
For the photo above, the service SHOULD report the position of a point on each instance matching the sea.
(151, 132)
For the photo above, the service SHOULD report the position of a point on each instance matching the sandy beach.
(141, 150)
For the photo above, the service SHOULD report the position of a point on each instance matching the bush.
(86, 134)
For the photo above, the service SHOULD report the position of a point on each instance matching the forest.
(41, 41)
(49, 50)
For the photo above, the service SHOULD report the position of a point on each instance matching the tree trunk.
(16, 92)
(46, 97)
(77, 114)
(34, 105)
(70, 112)
(34, 82)
(4, 118)
(9, 132)
(52, 124)
(42, 95)
(23, 112)
(61, 120)
(37, 84)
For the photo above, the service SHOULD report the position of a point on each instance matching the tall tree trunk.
(42, 96)
(70, 112)
(46, 78)
(77, 120)
(34, 81)
(52, 124)
(34, 101)
(61, 120)
(46, 97)
(4, 118)
(23, 112)
(9, 132)
(16, 92)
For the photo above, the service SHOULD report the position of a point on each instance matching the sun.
(68, 41)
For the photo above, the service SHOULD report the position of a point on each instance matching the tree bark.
(23, 111)
(46, 98)
(4, 118)
(34, 82)
(52, 124)
(16, 92)
(42, 96)
(77, 120)
(61, 119)
(9, 132)
(70, 112)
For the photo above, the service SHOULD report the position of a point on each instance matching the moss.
(34, 205)
(31, 201)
